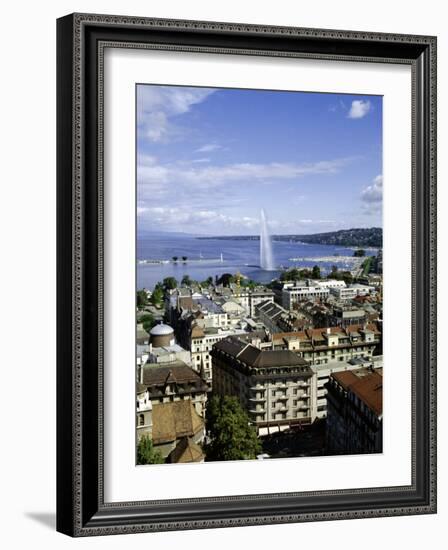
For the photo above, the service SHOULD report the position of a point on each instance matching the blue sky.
(209, 159)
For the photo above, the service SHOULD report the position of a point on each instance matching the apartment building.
(321, 346)
(276, 387)
(355, 412)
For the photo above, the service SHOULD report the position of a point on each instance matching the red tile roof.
(367, 387)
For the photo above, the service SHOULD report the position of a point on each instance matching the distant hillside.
(363, 237)
(372, 236)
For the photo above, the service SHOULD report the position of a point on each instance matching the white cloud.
(359, 108)
(209, 148)
(146, 160)
(172, 100)
(373, 193)
(173, 218)
(209, 221)
(213, 176)
(200, 161)
(156, 126)
(372, 196)
(156, 105)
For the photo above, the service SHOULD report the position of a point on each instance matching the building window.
(142, 420)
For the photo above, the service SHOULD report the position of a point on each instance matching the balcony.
(282, 398)
(257, 411)
(256, 399)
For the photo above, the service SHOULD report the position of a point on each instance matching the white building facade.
(292, 295)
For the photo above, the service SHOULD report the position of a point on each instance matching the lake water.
(238, 255)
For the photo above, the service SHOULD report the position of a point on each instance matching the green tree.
(305, 273)
(334, 274)
(157, 295)
(248, 283)
(184, 258)
(315, 273)
(292, 274)
(225, 279)
(142, 298)
(146, 454)
(231, 435)
(147, 321)
(169, 283)
(186, 281)
(359, 253)
(175, 258)
(367, 265)
(207, 282)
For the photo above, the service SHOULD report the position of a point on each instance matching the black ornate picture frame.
(81, 508)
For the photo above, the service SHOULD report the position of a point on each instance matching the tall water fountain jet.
(266, 256)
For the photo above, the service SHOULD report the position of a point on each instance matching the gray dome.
(161, 330)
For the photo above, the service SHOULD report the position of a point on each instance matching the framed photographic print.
(246, 274)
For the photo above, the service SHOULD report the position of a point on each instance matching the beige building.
(178, 432)
(277, 388)
(170, 382)
(201, 343)
(323, 373)
(324, 345)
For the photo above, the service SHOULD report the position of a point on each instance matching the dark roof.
(176, 372)
(255, 357)
(231, 346)
(249, 355)
(271, 309)
(186, 451)
(249, 336)
(279, 358)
